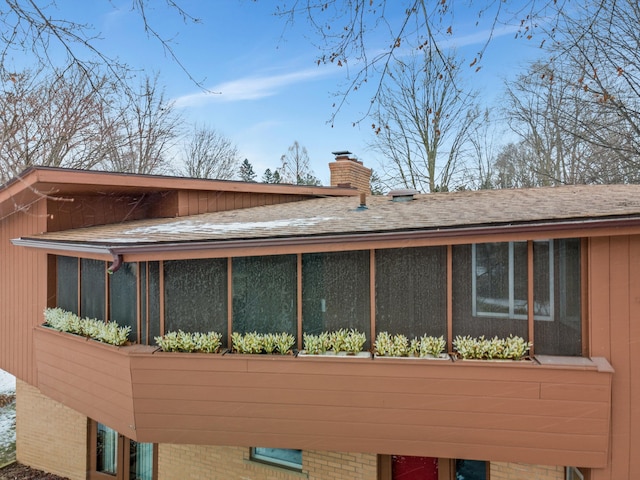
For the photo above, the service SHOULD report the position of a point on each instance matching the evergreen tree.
(246, 172)
(271, 177)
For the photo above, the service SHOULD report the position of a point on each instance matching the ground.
(17, 471)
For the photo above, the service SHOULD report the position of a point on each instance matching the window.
(265, 294)
(106, 450)
(411, 294)
(500, 280)
(123, 298)
(112, 455)
(93, 288)
(149, 301)
(471, 470)
(335, 291)
(574, 474)
(491, 291)
(196, 295)
(67, 283)
(282, 457)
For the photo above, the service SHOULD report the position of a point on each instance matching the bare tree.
(366, 37)
(295, 167)
(32, 28)
(480, 165)
(209, 154)
(53, 119)
(599, 41)
(147, 129)
(569, 136)
(423, 123)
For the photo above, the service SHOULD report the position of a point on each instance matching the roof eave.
(563, 229)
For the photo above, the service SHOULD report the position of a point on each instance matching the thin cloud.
(250, 88)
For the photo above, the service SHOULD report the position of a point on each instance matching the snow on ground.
(7, 382)
(7, 420)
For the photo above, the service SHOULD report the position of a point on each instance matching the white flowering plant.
(106, 332)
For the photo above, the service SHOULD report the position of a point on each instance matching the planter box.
(304, 354)
(441, 357)
(556, 413)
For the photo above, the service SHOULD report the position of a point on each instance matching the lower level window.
(283, 457)
(471, 470)
(574, 473)
(115, 456)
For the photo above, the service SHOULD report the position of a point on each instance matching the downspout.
(117, 263)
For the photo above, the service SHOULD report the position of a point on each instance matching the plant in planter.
(269, 343)
(285, 343)
(250, 342)
(428, 347)
(343, 341)
(337, 340)
(253, 342)
(316, 344)
(190, 342)
(481, 348)
(106, 332)
(387, 345)
(354, 342)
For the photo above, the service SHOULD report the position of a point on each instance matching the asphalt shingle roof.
(339, 216)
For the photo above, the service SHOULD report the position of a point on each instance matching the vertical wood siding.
(614, 307)
(195, 202)
(23, 291)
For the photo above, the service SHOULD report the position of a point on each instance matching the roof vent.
(405, 195)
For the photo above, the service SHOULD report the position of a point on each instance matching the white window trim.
(512, 301)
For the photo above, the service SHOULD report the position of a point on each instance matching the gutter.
(118, 250)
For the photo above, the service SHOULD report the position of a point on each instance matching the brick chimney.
(346, 171)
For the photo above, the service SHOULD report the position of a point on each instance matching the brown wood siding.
(196, 202)
(23, 292)
(85, 211)
(614, 308)
(76, 211)
(89, 377)
(501, 411)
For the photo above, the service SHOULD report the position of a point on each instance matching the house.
(556, 266)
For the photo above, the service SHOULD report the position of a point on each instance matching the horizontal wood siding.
(517, 412)
(23, 291)
(489, 411)
(92, 378)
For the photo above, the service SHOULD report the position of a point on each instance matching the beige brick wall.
(521, 471)
(49, 436)
(218, 463)
(340, 465)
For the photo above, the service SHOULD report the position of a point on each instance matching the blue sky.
(272, 92)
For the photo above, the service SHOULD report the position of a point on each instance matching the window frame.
(511, 287)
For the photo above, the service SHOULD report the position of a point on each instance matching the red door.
(414, 468)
